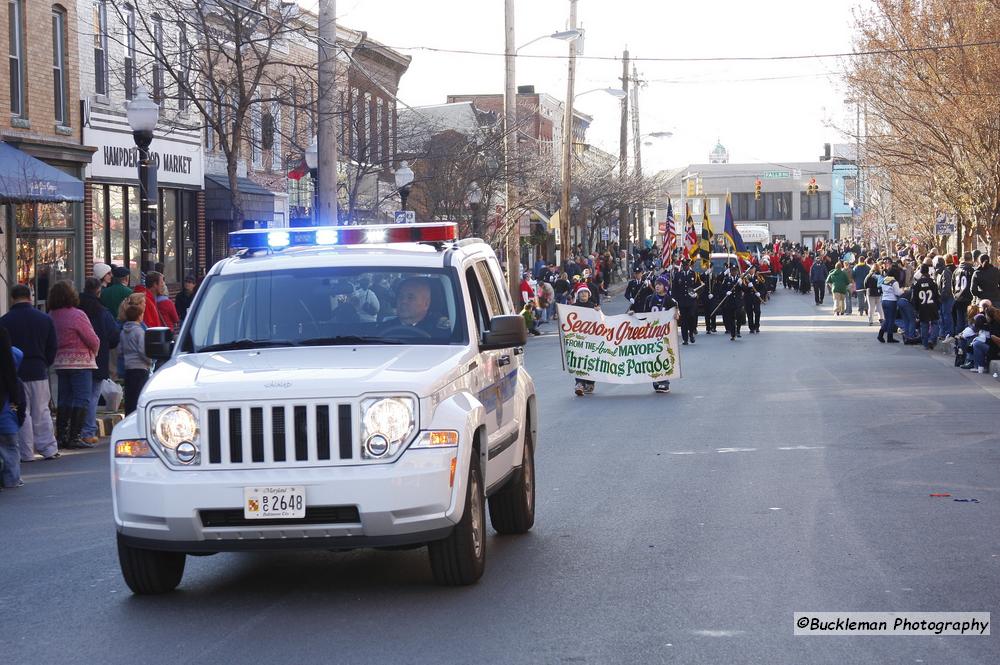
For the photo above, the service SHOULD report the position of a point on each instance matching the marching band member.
(752, 285)
(686, 285)
(730, 286)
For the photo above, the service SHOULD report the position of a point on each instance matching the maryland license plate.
(270, 503)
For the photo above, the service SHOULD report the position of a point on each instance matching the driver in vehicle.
(413, 304)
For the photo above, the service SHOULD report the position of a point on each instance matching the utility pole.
(636, 143)
(513, 237)
(624, 237)
(326, 104)
(565, 215)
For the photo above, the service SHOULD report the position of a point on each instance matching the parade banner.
(619, 349)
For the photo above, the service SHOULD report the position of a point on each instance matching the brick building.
(43, 160)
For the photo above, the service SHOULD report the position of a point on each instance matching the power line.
(771, 58)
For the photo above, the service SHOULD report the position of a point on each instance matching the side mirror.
(159, 343)
(506, 331)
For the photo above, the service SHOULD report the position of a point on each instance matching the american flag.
(690, 235)
(669, 234)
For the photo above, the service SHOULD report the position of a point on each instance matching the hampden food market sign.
(178, 157)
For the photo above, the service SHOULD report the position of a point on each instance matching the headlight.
(175, 429)
(387, 422)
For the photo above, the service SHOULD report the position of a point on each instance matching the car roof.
(415, 255)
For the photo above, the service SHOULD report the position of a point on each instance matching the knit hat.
(101, 269)
(664, 280)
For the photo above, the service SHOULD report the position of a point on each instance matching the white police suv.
(335, 388)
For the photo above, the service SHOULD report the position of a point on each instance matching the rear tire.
(460, 559)
(149, 572)
(512, 509)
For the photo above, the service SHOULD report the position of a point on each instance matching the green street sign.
(772, 175)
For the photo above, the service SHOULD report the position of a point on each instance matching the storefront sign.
(619, 349)
(179, 161)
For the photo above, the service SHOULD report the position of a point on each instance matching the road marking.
(801, 447)
(735, 450)
(718, 633)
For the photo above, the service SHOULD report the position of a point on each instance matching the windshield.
(327, 306)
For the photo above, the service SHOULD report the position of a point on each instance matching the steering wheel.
(405, 331)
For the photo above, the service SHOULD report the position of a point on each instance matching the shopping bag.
(112, 394)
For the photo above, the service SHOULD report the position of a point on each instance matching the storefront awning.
(26, 179)
(257, 202)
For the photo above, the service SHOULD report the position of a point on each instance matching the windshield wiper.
(346, 340)
(245, 344)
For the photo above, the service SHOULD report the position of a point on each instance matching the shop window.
(134, 233)
(117, 222)
(99, 223)
(168, 234)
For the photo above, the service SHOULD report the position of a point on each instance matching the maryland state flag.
(732, 234)
(690, 236)
(705, 244)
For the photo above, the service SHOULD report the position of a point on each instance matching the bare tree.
(930, 83)
(225, 66)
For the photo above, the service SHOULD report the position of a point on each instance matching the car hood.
(307, 373)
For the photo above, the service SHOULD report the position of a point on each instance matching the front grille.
(314, 515)
(310, 434)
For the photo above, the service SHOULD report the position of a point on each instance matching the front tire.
(460, 559)
(149, 572)
(512, 509)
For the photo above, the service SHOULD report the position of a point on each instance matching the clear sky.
(786, 116)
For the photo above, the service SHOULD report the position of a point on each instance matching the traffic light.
(699, 189)
(756, 190)
(812, 187)
(690, 187)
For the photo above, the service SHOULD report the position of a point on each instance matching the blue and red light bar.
(328, 236)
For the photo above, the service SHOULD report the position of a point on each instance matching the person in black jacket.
(33, 332)
(185, 297)
(961, 288)
(926, 298)
(633, 286)
(731, 294)
(107, 331)
(686, 284)
(986, 280)
(662, 301)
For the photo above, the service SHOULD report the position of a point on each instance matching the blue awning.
(25, 179)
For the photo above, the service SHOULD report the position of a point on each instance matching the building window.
(772, 206)
(16, 44)
(255, 135)
(130, 75)
(816, 206)
(157, 59)
(850, 190)
(209, 129)
(101, 47)
(277, 163)
(59, 66)
(383, 131)
(185, 67)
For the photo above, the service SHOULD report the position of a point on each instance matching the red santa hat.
(582, 286)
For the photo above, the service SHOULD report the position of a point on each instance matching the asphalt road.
(786, 472)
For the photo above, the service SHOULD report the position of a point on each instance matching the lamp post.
(474, 197)
(404, 179)
(312, 161)
(143, 114)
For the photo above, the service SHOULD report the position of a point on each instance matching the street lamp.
(561, 35)
(143, 114)
(404, 178)
(312, 162)
(617, 93)
(474, 196)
